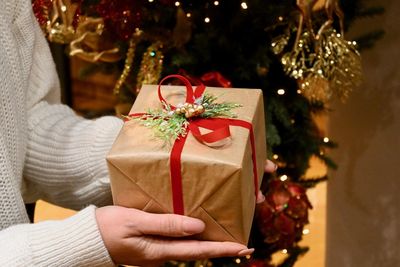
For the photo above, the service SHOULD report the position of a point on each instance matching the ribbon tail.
(176, 175)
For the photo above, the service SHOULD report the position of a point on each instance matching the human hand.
(136, 237)
(269, 167)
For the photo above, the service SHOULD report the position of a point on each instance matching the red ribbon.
(219, 130)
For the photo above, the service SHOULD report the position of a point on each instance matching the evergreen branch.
(312, 182)
(328, 161)
(214, 109)
(366, 41)
(370, 12)
(169, 125)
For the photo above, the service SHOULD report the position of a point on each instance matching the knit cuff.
(75, 241)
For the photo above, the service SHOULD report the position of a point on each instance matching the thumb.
(171, 225)
(260, 197)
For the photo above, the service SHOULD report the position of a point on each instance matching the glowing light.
(283, 178)
(248, 257)
(306, 231)
(177, 3)
(299, 91)
(284, 251)
(275, 156)
(280, 18)
(326, 139)
(237, 260)
(207, 20)
(281, 91)
(216, 3)
(244, 5)
(151, 1)
(188, 15)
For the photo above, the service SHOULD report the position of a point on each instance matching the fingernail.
(276, 167)
(245, 252)
(192, 226)
(260, 197)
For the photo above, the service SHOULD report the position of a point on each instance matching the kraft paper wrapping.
(218, 182)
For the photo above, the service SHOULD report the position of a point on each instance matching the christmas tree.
(295, 51)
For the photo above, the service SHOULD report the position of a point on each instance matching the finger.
(270, 167)
(260, 197)
(196, 250)
(168, 225)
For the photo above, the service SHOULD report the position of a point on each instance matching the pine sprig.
(214, 109)
(169, 125)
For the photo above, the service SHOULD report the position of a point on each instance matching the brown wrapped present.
(217, 184)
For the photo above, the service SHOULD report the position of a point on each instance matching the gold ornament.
(59, 27)
(305, 8)
(324, 64)
(316, 88)
(334, 60)
(90, 43)
(332, 7)
(151, 66)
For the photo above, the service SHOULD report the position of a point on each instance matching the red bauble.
(41, 9)
(282, 216)
(121, 17)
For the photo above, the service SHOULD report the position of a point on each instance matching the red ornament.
(212, 78)
(41, 9)
(121, 17)
(282, 216)
(215, 78)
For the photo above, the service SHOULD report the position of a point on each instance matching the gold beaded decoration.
(128, 62)
(151, 66)
(189, 110)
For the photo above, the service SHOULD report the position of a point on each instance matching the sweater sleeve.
(65, 160)
(55, 243)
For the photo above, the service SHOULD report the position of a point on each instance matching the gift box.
(216, 183)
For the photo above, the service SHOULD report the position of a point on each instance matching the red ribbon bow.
(219, 130)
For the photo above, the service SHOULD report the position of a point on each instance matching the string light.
(216, 3)
(244, 5)
(283, 178)
(299, 91)
(280, 18)
(281, 91)
(275, 156)
(326, 140)
(177, 3)
(237, 260)
(306, 231)
(151, 1)
(248, 257)
(284, 251)
(207, 20)
(188, 15)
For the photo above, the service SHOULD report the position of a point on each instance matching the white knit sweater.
(47, 152)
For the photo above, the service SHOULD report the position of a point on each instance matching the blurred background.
(324, 116)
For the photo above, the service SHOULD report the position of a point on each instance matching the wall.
(364, 194)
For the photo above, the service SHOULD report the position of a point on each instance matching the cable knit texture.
(46, 152)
